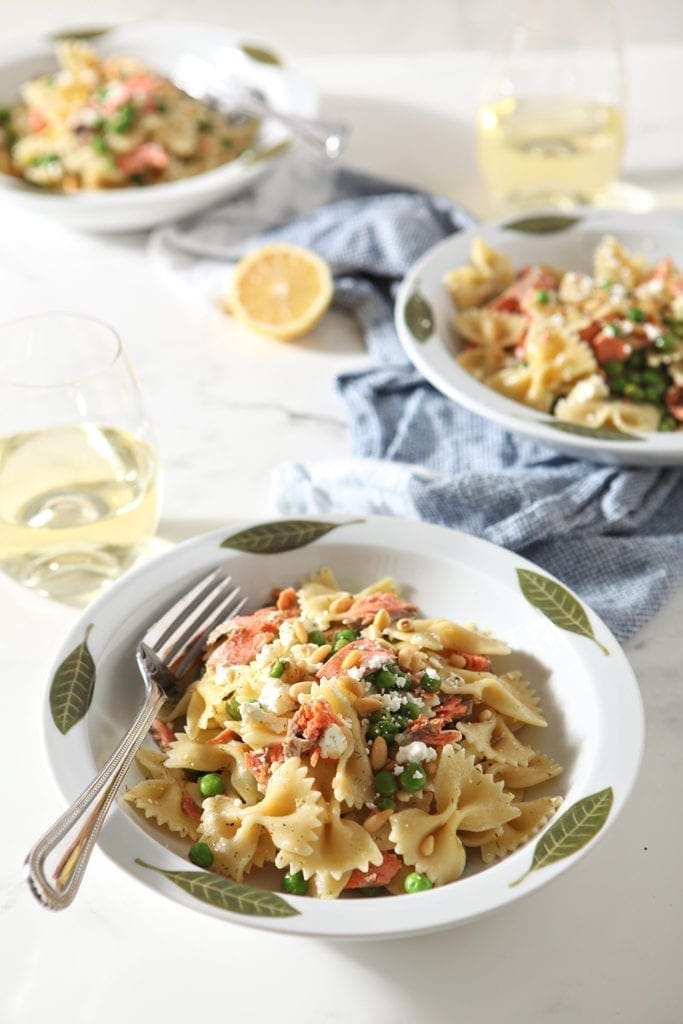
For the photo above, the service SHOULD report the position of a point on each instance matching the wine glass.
(79, 495)
(550, 125)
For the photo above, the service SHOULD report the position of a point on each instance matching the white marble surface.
(601, 943)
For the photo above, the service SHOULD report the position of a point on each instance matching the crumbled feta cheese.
(332, 743)
(652, 287)
(392, 701)
(252, 712)
(575, 287)
(618, 292)
(414, 753)
(652, 331)
(587, 390)
(275, 697)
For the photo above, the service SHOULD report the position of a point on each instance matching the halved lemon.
(280, 290)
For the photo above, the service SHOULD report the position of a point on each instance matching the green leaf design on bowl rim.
(557, 604)
(418, 316)
(571, 831)
(72, 686)
(221, 892)
(261, 54)
(281, 535)
(542, 223)
(598, 433)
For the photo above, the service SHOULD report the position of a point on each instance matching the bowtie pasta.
(603, 351)
(353, 744)
(111, 122)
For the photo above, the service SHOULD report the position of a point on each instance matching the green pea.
(613, 368)
(653, 393)
(386, 783)
(277, 670)
(382, 724)
(316, 636)
(123, 119)
(372, 890)
(636, 315)
(386, 803)
(99, 144)
(232, 707)
(542, 297)
(211, 785)
(411, 709)
(614, 329)
(201, 855)
(665, 343)
(41, 161)
(634, 391)
(417, 882)
(668, 423)
(384, 680)
(343, 637)
(430, 683)
(618, 385)
(652, 376)
(413, 778)
(294, 884)
(636, 360)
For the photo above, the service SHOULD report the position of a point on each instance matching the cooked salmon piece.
(432, 731)
(373, 657)
(530, 279)
(149, 156)
(364, 609)
(382, 875)
(260, 765)
(162, 734)
(247, 635)
(190, 808)
(674, 401)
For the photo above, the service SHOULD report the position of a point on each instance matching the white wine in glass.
(550, 127)
(78, 468)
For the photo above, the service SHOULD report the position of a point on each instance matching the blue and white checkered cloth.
(612, 534)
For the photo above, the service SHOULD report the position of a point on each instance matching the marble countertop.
(600, 943)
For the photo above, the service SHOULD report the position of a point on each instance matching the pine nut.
(341, 604)
(457, 660)
(378, 753)
(427, 846)
(296, 689)
(405, 625)
(300, 632)
(381, 620)
(431, 768)
(405, 656)
(417, 662)
(320, 654)
(376, 821)
(352, 686)
(485, 716)
(352, 659)
(366, 705)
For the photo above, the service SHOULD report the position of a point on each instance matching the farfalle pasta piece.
(538, 769)
(460, 638)
(554, 361)
(341, 846)
(533, 816)
(490, 334)
(465, 799)
(509, 694)
(165, 801)
(215, 757)
(611, 262)
(613, 414)
(493, 740)
(206, 708)
(290, 815)
(259, 727)
(488, 272)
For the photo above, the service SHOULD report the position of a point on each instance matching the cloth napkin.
(612, 534)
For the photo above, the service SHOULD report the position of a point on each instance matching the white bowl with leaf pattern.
(424, 321)
(160, 45)
(587, 688)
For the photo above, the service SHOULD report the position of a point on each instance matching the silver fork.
(168, 652)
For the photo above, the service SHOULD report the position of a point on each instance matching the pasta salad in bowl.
(565, 328)
(95, 133)
(355, 759)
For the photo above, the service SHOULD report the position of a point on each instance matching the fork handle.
(97, 799)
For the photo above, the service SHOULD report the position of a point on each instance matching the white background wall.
(307, 27)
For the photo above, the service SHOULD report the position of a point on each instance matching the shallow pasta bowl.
(161, 45)
(588, 692)
(424, 322)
